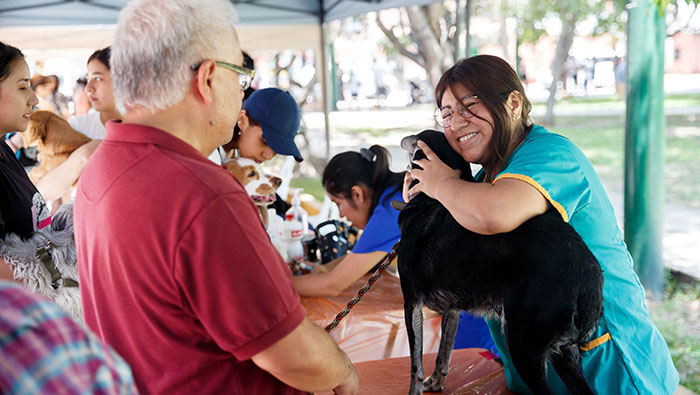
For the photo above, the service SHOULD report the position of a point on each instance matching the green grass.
(682, 305)
(311, 185)
(592, 103)
(602, 140)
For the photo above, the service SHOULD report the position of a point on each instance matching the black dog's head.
(438, 143)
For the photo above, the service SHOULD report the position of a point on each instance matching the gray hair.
(157, 42)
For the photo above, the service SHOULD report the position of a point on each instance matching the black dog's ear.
(409, 143)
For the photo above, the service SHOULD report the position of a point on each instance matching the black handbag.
(334, 238)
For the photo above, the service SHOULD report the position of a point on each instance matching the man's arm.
(309, 360)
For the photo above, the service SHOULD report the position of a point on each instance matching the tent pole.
(325, 85)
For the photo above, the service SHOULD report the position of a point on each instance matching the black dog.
(540, 279)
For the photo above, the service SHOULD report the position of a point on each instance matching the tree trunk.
(467, 26)
(433, 55)
(504, 32)
(563, 45)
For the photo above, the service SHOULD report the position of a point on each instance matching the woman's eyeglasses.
(467, 109)
(245, 75)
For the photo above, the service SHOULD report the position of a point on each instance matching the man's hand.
(309, 360)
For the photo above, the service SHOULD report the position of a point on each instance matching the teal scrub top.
(626, 354)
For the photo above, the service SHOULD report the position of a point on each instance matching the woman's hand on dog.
(434, 173)
(407, 180)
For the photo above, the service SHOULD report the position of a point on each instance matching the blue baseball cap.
(279, 117)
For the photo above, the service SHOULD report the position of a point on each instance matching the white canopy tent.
(257, 12)
(41, 26)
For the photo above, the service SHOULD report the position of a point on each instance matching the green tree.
(532, 19)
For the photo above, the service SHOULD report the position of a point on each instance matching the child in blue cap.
(266, 126)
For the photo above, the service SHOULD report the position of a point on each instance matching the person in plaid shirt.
(43, 350)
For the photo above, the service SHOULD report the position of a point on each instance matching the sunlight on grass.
(683, 341)
(311, 185)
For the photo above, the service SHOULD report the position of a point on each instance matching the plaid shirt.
(42, 350)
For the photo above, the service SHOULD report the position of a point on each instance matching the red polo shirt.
(176, 270)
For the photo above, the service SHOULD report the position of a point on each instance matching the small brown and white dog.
(261, 187)
(55, 139)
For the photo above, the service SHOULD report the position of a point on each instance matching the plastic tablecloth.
(375, 327)
(472, 371)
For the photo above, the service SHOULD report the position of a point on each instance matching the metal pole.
(458, 50)
(325, 86)
(644, 143)
(334, 79)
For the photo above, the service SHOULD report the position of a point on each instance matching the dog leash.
(57, 279)
(384, 263)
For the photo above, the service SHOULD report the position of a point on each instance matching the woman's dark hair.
(8, 55)
(491, 79)
(248, 63)
(369, 167)
(102, 55)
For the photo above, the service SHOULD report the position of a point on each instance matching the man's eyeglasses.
(467, 109)
(245, 75)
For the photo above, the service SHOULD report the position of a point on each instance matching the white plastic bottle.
(293, 233)
(299, 213)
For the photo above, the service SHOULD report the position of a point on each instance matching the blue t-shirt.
(382, 230)
(626, 354)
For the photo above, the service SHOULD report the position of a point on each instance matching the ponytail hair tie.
(368, 155)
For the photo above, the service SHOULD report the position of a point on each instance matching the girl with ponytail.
(363, 186)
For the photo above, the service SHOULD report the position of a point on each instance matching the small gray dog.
(46, 262)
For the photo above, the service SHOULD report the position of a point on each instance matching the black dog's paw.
(434, 383)
(416, 389)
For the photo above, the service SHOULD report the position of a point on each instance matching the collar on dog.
(57, 279)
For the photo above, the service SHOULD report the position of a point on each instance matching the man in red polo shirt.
(176, 270)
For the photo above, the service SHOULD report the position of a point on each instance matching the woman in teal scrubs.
(526, 170)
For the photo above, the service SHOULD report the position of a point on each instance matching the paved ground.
(681, 224)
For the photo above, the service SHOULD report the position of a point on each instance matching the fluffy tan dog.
(55, 139)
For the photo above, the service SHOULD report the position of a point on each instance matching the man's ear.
(204, 81)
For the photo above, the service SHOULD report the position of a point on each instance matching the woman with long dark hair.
(527, 171)
(22, 208)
